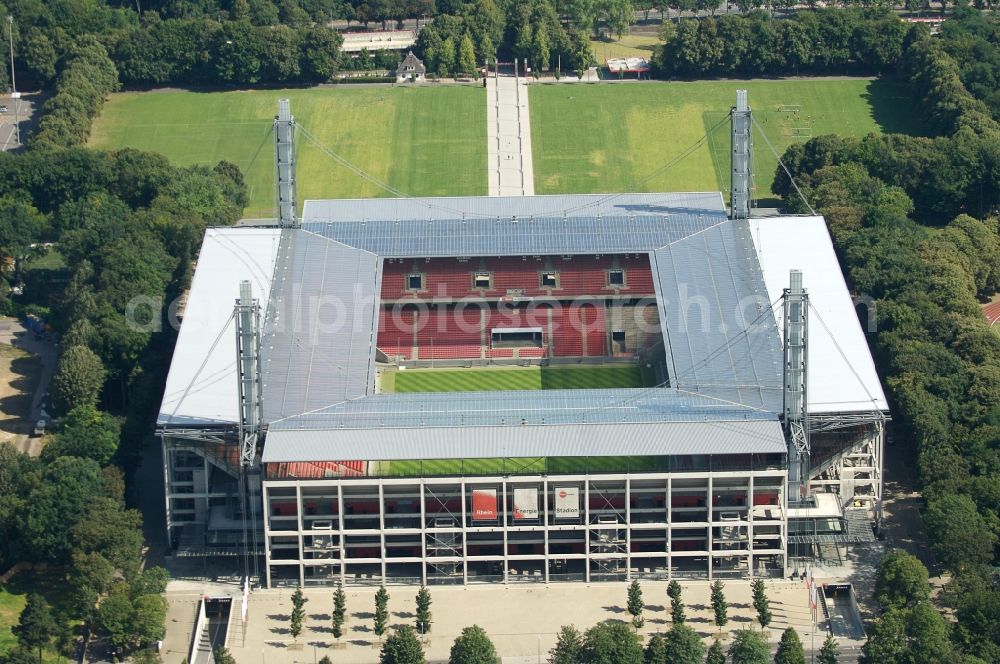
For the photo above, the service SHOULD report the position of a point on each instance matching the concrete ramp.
(841, 607)
(211, 629)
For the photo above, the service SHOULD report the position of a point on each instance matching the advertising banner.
(484, 504)
(567, 502)
(525, 504)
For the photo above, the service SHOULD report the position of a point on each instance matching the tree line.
(970, 37)
(85, 81)
(201, 51)
(840, 41)
(126, 225)
(909, 628)
(197, 46)
(914, 224)
(484, 30)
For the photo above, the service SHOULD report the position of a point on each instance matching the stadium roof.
(201, 385)
(842, 376)
(482, 442)
(518, 408)
(491, 207)
(716, 283)
(319, 329)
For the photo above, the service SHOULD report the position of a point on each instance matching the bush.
(347, 80)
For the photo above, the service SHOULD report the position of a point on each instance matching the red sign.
(484, 504)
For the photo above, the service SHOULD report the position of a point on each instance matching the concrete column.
(422, 492)
(381, 525)
(267, 535)
(586, 527)
(298, 518)
(465, 537)
(340, 535)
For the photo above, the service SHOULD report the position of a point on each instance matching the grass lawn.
(629, 46)
(428, 141)
(514, 378)
(14, 594)
(11, 605)
(612, 137)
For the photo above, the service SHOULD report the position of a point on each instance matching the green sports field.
(521, 466)
(504, 379)
(516, 378)
(423, 141)
(612, 137)
(431, 140)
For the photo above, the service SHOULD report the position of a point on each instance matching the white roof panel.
(842, 376)
(201, 387)
(486, 442)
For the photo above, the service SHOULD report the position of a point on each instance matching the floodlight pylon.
(796, 411)
(740, 157)
(284, 166)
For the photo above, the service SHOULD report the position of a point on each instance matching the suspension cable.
(782, 164)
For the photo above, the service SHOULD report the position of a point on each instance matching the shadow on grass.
(48, 583)
(893, 108)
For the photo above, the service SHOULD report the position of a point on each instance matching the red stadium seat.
(578, 276)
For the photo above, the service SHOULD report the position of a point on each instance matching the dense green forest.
(829, 41)
(128, 225)
(914, 223)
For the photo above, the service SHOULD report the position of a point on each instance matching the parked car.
(39, 429)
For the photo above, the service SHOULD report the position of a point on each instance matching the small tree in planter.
(761, 604)
(719, 605)
(676, 605)
(381, 611)
(298, 613)
(635, 604)
(423, 611)
(339, 612)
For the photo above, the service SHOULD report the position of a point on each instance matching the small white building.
(410, 70)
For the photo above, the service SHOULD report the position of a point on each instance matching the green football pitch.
(422, 141)
(518, 466)
(620, 137)
(516, 378)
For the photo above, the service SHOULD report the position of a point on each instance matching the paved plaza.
(508, 135)
(521, 620)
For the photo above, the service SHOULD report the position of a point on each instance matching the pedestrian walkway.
(523, 620)
(508, 133)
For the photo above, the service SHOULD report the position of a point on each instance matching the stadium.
(520, 389)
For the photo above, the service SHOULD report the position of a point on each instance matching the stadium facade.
(751, 444)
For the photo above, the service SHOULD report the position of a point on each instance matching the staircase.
(857, 525)
(203, 653)
(824, 610)
(211, 629)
